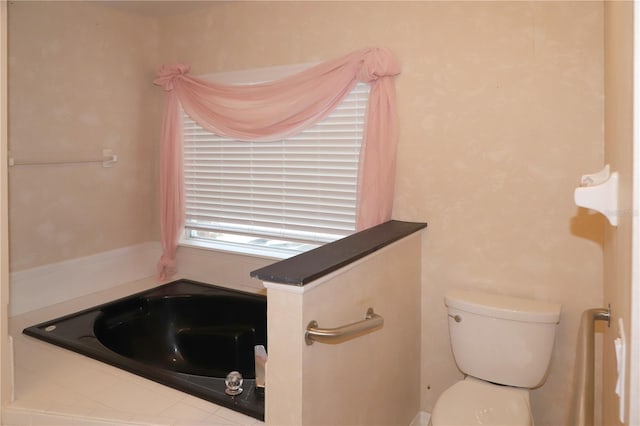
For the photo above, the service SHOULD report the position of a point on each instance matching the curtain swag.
(275, 110)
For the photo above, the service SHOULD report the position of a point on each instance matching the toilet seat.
(475, 402)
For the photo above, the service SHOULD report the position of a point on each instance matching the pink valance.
(273, 111)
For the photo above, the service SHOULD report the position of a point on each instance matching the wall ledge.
(45, 285)
(307, 267)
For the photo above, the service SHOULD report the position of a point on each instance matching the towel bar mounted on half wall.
(371, 322)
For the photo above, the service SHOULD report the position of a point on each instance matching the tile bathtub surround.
(56, 386)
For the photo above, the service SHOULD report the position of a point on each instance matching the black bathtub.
(183, 334)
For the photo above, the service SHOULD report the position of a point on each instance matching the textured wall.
(80, 81)
(619, 154)
(348, 383)
(501, 111)
(370, 392)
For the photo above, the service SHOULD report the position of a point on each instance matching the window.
(275, 198)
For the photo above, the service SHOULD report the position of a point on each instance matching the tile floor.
(54, 386)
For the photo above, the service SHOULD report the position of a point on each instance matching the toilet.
(503, 345)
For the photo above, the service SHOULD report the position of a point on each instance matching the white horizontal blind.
(299, 189)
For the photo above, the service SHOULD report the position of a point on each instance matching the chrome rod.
(371, 322)
(13, 162)
(583, 408)
(108, 159)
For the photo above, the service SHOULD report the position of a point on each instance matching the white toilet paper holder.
(599, 192)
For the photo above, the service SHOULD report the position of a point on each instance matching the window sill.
(239, 249)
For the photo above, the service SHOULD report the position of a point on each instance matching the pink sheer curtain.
(275, 110)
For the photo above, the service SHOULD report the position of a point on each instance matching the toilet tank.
(502, 339)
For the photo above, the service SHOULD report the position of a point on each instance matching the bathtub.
(184, 334)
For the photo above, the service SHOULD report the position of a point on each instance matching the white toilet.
(503, 346)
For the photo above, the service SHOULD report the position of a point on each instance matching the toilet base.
(475, 402)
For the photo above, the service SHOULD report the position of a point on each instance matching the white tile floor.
(54, 386)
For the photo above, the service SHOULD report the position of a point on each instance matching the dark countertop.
(309, 266)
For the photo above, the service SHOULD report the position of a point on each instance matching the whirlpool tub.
(184, 334)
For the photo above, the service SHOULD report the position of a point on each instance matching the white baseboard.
(46, 285)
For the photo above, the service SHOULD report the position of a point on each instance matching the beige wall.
(224, 269)
(5, 361)
(350, 383)
(619, 154)
(501, 111)
(80, 81)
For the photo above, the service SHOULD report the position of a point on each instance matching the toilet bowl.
(503, 345)
(476, 402)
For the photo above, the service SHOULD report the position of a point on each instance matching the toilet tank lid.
(505, 307)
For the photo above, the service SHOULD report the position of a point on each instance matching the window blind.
(302, 188)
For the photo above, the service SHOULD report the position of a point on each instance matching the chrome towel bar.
(108, 159)
(582, 410)
(371, 322)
